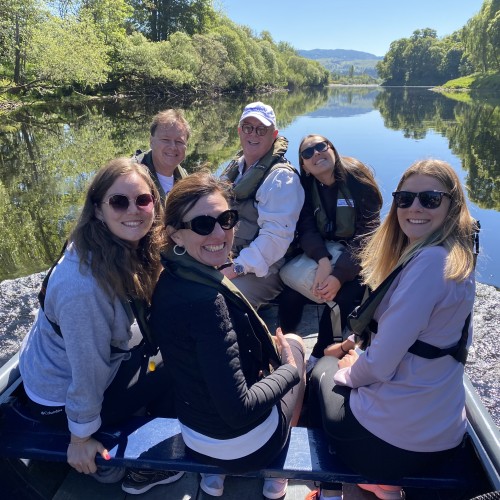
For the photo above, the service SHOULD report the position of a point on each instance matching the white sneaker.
(274, 487)
(212, 484)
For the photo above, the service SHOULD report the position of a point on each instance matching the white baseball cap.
(263, 112)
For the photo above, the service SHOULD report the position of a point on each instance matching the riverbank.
(18, 306)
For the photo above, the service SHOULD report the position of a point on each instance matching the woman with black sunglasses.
(77, 365)
(342, 204)
(398, 409)
(237, 389)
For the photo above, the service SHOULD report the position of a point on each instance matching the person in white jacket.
(268, 196)
(389, 401)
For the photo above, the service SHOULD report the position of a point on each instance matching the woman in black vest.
(342, 203)
(237, 390)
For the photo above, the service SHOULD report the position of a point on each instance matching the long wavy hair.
(187, 192)
(343, 166)
(389, 246)
(118, 267)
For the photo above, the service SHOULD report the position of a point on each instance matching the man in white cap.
(268, 197)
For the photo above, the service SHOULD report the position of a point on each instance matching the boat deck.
(74, 486)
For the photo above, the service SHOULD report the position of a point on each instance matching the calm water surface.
(365, 133)
(48, 153)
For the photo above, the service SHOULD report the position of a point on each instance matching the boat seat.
(156, 443)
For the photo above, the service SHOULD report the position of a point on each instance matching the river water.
(48, 153)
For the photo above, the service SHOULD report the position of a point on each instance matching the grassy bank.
(477, 81)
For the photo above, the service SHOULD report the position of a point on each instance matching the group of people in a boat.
(192, 257)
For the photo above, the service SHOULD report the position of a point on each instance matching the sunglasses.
(428, 199)
(205, 224)
(308, 153)
(260, 130)
(120, 202)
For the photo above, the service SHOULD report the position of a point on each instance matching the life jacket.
(138, 307)
(360, 321)
(345, 214)
(146, 158)
(246, 188)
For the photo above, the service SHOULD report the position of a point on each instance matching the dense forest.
(425, 59)
(190, 48)
(149, 47)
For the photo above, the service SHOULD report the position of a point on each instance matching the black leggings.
(360, 449)
(291, 306)
(278, 440)
(132, 389)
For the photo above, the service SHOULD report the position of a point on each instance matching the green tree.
(154, 68)
(392, 69)
(158, 19)
(494, 38)
(273, 70)
(422, 59)
(66, 52)
(109, 17)
(17, 21)
(184, 46)
(453, 61)
(216, 72)
(482, 37)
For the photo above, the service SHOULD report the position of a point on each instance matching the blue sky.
(365, 25)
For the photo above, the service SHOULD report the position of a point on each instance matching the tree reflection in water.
(49, 152)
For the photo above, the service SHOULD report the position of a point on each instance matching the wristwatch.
(238, 269)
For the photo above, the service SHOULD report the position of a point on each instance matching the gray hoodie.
(74, 370)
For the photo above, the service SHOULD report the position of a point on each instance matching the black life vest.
(361, 322)
(146, 159)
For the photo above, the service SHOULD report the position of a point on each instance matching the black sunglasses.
(260, 130)
(308, 153)
(428, 199)
(120, 202)
(205, 224)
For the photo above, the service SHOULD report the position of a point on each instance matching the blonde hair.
(389, 247)
(170, 117)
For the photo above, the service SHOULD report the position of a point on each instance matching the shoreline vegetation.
(465, 85)
(190, 50)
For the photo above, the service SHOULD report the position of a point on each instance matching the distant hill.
(341, 61)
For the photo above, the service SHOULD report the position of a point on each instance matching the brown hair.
(118, 267)
(187, 192)
(343, 166)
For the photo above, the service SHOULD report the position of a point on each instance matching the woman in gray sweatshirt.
(78, 368)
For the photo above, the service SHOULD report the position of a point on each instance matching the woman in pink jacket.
(388, 401)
